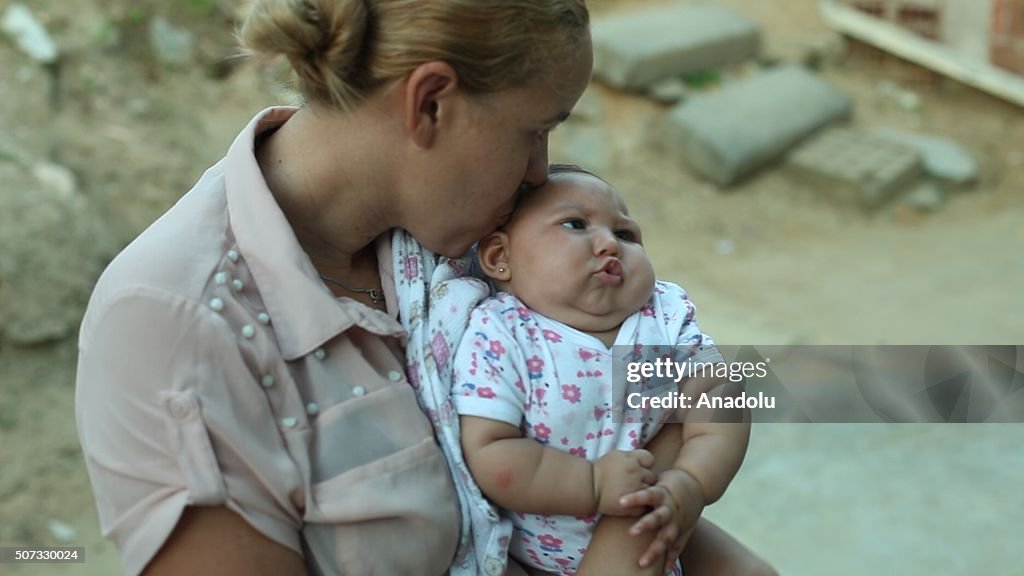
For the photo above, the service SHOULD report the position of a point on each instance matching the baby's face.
(576, 255)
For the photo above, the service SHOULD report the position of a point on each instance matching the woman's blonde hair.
(342, 50)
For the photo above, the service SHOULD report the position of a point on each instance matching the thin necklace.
(376, 295)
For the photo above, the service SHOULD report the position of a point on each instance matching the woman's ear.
(493, 254)
(428, 93)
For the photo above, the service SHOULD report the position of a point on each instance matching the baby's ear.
(493, 254)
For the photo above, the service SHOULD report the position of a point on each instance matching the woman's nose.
(537, 168)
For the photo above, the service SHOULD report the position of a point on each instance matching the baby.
(532, 381)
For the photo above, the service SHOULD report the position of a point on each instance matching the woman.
(241, 400)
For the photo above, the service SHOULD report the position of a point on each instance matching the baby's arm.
(522, 475)
(713, 444)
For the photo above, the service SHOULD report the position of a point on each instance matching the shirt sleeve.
(141, 420)
(486, 379)
(680, 313)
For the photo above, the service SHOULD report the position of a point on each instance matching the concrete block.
(636, 49)
(727, 134)
(942, 157)
(855, 167)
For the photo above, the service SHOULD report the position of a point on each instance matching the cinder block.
(941, 157)
(856, 167)
(727, 134)
(636, 49)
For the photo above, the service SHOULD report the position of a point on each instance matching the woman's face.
(501, 146)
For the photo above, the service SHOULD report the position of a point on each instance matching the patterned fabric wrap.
(435, 297)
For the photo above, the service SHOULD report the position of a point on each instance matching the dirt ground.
(768, 261)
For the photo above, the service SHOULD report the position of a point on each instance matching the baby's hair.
(343, 50)
(573, 168)
(553, 169)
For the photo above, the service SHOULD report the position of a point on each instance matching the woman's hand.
(676, 503)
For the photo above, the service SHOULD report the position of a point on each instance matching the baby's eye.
(626, 235)
(575, 224)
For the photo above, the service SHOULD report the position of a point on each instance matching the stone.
(942, 158)
(925, 197)
(30, 36)
(669, 91)
(727, 134)
(172, 46)
(635, 49)
(53, 246)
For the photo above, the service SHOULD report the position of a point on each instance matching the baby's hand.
(619, 473)
(676, 503)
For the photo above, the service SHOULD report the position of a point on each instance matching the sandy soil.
(769, 261)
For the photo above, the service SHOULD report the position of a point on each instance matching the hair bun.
(323, 40)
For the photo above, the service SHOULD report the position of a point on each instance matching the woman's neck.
(331, 193)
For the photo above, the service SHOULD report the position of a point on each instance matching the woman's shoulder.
(173, 260)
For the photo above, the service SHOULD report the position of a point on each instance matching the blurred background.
(812, 172)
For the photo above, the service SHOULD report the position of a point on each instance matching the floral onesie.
(554, 382)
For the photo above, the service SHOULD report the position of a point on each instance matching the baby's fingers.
(651, 497)
(651, 521)
(661, 545)
(645, 458)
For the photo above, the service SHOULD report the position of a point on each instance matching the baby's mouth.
(611, 272)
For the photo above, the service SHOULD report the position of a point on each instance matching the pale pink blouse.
(216, 369)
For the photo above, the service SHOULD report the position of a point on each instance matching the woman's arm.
(216, 541)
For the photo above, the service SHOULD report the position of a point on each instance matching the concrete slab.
(634, 50)
(727, 134)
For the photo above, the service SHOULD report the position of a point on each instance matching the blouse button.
(217, 304)
(289, 422)
(220, 278)
(358, 390)
(237, 284)
(179, 408)
(312, 409)
(233, 255)
(394, 375)
(264, 318)
(267, 380)
(319, 354)
(248, 331)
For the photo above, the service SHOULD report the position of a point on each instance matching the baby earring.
(501, 269)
